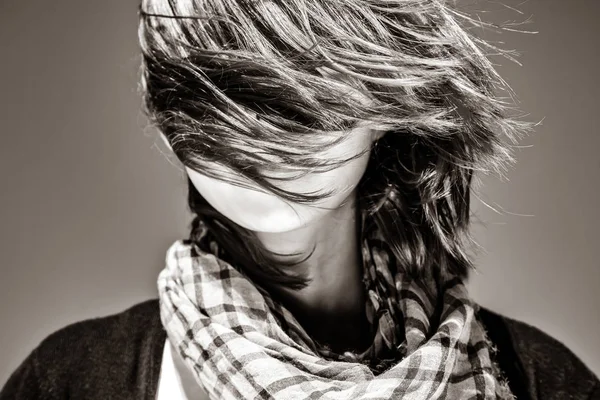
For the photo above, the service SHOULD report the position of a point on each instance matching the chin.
(274, 224)
(274, 221)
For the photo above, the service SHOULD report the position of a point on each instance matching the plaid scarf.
(240, 343)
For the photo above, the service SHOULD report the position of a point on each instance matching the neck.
(332, 304)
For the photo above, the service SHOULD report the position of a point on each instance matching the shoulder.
(103, 340)
(100, 355)
(133, 323)
(543, 366)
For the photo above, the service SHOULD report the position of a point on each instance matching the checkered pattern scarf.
(240, 343)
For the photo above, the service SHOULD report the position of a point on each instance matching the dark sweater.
(119, 357)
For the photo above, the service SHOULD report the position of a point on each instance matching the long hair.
(236, 83)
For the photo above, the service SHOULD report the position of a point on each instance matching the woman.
(330, 148)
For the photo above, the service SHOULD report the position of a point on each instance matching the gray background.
(89, 204)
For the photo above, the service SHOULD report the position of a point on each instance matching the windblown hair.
(236, 83)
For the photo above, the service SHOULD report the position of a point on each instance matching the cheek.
(251, 209)
(343, 180)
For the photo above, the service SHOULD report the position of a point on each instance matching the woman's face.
(266, 212)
